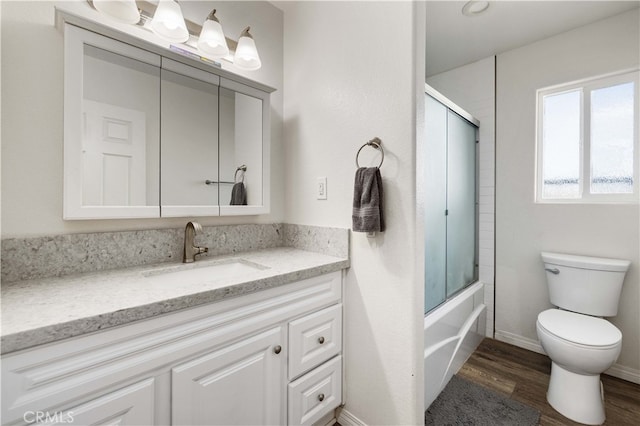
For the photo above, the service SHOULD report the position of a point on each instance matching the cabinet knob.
(321, 340)
(321, 397)
(277, 349)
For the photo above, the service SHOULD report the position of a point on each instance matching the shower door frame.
(451, 106)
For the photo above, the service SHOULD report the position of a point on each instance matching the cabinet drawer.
(313, 339)
(316, 393)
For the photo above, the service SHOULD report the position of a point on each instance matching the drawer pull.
(321, 397)
(321, 340)
(277, 349)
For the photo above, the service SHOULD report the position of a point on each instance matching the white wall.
(472, 88)
(32, 137)
(352, 72)
(524, 228)
(1, 125)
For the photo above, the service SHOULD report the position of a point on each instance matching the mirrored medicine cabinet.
(147, 135)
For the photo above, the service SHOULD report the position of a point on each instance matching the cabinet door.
(189, 146)
(111, 128)
(132, 405)
(239, 384)
(244, 149)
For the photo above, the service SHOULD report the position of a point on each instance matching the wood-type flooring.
(524, 376)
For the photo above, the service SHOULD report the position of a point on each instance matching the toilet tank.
(588, 285)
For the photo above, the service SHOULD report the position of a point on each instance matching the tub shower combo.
(454, 298)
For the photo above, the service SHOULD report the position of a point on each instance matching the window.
(587, 141)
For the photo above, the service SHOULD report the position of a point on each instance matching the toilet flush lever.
(554, 271)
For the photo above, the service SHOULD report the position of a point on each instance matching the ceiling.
(454, 39)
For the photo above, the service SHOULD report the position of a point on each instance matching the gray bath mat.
(465, 403)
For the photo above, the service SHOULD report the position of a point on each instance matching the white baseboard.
(617, 370)
(624, 373)
(345, 418)
(519, 341)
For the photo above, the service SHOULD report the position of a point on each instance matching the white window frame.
(585, 88)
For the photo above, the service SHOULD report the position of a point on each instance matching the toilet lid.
(578, 328)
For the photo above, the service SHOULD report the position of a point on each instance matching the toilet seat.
(580, 330)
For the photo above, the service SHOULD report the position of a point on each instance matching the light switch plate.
(322, 188)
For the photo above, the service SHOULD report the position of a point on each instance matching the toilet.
(580, 343)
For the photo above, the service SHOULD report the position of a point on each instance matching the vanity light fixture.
(246, 56)
(212, 40)
(125, 11)
(168, 22)
(474, 7)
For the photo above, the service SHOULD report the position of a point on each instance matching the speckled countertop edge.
(40, 311)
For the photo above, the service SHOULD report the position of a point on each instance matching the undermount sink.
(204, 271)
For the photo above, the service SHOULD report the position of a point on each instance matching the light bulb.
(212, 40)
(168, 22)
(246, 56)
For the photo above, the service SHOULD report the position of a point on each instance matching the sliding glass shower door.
(450, 203)
(435, 228)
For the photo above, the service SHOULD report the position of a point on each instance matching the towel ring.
(242, 168)
(375, 143)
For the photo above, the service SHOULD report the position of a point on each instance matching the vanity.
(250, 338)
(246, 337)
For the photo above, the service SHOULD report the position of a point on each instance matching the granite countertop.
(45, 310)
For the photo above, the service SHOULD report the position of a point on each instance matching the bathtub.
(452, 331)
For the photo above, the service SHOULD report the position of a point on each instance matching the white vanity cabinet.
(315, 365)
(131, 405)
(236, 384)
(268, 357)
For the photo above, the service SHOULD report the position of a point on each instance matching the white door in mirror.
(113, 156)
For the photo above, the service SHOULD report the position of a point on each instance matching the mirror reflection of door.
(120, 130)
(113, 156)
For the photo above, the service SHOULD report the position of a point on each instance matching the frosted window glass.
(561, 145)
(612, 139)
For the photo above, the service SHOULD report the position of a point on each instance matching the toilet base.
(576, 396)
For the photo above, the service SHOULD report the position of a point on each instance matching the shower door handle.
(554, 271)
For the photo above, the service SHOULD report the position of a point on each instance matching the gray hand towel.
(238, 195)
(367, 201)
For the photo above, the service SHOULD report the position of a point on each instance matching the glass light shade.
(124, 11)
(246, 56)
(212, 40)
(168, 22)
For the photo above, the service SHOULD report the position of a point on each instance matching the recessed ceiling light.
(474, 8)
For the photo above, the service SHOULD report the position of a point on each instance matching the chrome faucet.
(191, 250)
